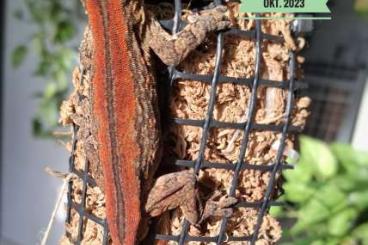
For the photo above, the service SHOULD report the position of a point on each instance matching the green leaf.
(347, 155)
(302, 173)
(298, 192)
(38, 44)
(361, 232)
(361, 158)
(359, 199)
(318, 242)
(308, 215)
(331, 197)
(18, 55)
(344, 182)
(49, 110)
(320, 156)
(65, 58)
(64, 31)
(342, 222)
(38, 127)
(50, 91)
(332, 241)
(302, 241)
(43, 69)
(276, 211)
(327, 200)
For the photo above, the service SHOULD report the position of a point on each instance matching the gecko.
(126, 40)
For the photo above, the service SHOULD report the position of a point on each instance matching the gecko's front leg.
(178, 190)
(172, 49)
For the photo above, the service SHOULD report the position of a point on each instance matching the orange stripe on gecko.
(114, 108)
(125, 108)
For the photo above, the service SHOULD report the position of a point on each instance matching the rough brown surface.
(190, 100)
(77, 110)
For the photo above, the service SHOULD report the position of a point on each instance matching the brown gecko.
(126, 114)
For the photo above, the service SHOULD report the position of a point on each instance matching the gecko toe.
(222, 25)
(219, 208)
(227, 202)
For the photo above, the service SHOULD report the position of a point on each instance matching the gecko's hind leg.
(178, 189)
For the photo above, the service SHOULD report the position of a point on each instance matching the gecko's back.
(125, 113)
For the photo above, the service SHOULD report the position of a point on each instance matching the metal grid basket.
(208, 123)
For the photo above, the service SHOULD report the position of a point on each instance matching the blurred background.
(326, 195)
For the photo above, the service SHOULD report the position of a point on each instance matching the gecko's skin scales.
(116, 92)
(124, 103)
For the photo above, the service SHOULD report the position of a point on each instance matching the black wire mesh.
(208, 123)
(80, 208)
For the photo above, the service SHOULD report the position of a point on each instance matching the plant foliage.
(328, 195)
(55, 24)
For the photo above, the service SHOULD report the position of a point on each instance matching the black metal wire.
(270, 187)
(250, 116)
(247, 127)
(208, 123)
(80, 208)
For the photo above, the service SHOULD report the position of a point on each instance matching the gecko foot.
(177, 190)
(215, 18)
(218, 206)
(171, 191)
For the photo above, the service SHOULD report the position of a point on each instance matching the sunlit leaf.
(302, 172)
(50, 90)
(361, 232)
(344, 182)
(276, 211)
(319, 155)
(359, 199)
(331, 196)
(318, 242)
(311, 213)
(342, 222)
(298, 192)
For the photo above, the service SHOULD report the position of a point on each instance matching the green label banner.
(284, 6)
